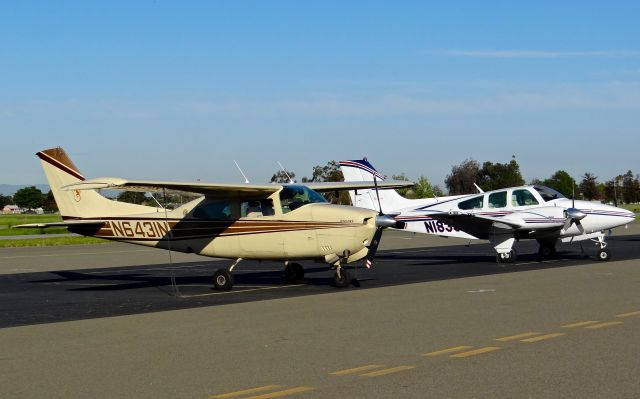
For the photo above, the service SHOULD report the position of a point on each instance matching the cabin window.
(293, 197)
(213, 210)
(473, 203)
(498, 200)
(257, 208)
(523, 197)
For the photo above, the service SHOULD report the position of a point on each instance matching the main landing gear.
(223, 279)
(507, 257)
(293, 273)
(547, 249)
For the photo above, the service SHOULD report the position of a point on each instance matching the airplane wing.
(482, 225)
(116, 183)
(359, 185)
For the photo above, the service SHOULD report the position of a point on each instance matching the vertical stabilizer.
(61, 171)
(362, 170)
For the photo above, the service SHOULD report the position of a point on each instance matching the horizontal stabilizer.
(71, 223)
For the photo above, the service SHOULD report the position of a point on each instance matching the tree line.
(30, 198)
(624, 188)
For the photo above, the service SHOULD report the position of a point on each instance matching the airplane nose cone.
(575, 214)
(385, 221)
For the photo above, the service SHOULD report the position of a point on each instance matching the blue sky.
(178, 90)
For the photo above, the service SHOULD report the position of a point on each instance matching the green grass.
(49, 242)
(14, 220)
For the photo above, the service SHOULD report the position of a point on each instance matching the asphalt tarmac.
(432, 318)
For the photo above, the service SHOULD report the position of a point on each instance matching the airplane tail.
(61, 171)
(362, 170)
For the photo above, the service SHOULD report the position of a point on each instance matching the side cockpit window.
(523, 197)
(257, 208)
(473, 203)
(498, 200)
(213, 210)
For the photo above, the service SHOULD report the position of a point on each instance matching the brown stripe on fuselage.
(157, 229)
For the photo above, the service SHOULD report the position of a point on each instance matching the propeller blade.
(580, 227)
(373, 248)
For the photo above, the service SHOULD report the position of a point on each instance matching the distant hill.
(10, 189)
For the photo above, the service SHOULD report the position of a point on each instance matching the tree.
(330, 172)
(494, 176)
(610, 194)
(423, 188)
(562, 182)
(132, 197)
(49, 203)
(405, 191)
(462, 177)
(5, 200)
(437, 191)
(281, 176)
(589, 187)
(28, 197)
(630, 188)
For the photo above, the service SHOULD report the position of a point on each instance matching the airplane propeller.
(573, 215)
(382, 221)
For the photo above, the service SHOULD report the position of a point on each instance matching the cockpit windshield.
(547, 193)
(293, 197)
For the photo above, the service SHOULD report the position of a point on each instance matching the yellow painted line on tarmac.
(630, 314)
(475, 352)
(357, 369)
(517, 336)
(246, 392)
(543, 337)
(602, 325)
(391, 370)
(581, 324)
(279, 394)
(447, 351)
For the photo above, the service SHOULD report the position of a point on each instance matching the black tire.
(223, 280)
(293, 273)
(604, 255)
(512, 257)
(546, 251)
(342, 280)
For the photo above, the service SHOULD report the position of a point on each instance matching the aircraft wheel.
(342, 279)
(546, 251)
(508, 257)
(604, 255)
(293, 273)
(223, 280)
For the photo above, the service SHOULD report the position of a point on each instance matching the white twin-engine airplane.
(279, 222)
(500, 216)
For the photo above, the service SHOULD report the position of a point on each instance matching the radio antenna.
(285, 172)
(241, 172)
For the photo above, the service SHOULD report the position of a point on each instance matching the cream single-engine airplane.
(276, 222)
(500, 216)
